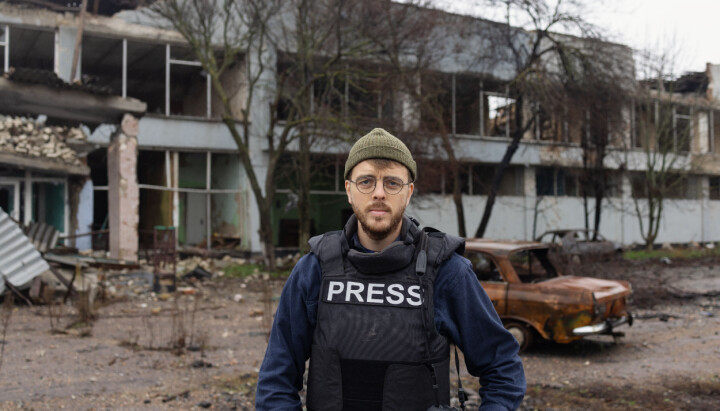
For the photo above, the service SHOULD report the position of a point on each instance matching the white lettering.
(355, 289)
(335, 287)
(414, 291)
(396, 290)
(373, 290)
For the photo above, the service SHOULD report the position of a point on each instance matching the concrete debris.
(238, 298)
(29, 138)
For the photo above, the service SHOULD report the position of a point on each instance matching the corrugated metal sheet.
(20, 262)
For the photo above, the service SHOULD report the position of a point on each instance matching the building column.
(123, 192)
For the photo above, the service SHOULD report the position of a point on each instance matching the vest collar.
(395, 256)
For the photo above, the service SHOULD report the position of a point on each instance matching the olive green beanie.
(380, 144)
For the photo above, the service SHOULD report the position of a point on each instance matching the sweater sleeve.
(465, 314)
(281, 374)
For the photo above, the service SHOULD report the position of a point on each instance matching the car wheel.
(523, 335)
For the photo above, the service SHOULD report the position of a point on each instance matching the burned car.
(534, 299)
(581, 244)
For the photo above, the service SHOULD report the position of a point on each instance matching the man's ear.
(347, 191)
(411, 189)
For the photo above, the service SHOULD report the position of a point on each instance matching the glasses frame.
(383, 186)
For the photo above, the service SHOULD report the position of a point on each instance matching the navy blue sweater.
(463, 313)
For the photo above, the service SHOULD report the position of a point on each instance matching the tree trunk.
(266, 234)
(304, 203)
(500, 170)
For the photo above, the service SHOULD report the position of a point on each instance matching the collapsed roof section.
(35, 92)
(31, 144)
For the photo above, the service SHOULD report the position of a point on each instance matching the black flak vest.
(375, 345)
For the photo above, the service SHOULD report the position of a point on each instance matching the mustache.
(378, 206)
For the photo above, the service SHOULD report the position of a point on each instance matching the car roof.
(502, 247)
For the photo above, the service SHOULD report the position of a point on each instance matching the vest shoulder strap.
(441, 246)
(328, 249)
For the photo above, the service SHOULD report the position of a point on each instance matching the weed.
(5, 315)
(176, 331)
(247, 270)
(676, 253)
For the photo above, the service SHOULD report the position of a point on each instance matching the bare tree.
(543, 64)
(598, 91)
(283, 48)
(411, 40)
(663, 139)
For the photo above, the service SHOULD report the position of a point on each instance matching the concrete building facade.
(176, 164)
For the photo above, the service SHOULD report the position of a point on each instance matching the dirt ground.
(147, 351)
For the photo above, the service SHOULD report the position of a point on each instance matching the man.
(376, 305)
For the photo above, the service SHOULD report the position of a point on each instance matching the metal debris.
(20, 262)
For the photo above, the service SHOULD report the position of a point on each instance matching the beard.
(374, 227)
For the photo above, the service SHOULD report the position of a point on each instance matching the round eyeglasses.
(391, 185)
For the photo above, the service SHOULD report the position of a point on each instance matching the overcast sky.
(689, 29)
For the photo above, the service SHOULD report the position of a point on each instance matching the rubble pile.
(32, 139)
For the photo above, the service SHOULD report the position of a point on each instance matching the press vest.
(375, 345)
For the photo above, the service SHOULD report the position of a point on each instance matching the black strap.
(462, 396)
(420, 270)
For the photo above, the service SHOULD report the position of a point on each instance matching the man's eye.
(365, 182)
(392, 183)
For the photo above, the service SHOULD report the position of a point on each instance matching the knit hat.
(380, 144)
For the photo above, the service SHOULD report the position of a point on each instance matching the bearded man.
(376, 306)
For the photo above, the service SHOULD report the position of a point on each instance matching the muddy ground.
(197, 351)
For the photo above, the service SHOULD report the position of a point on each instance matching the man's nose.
(379, 191)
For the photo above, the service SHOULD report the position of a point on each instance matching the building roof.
(501, 247)
(28, 143)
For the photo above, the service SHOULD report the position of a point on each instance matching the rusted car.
(581, 244)
(534, 299)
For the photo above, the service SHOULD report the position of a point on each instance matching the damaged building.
(140, 143)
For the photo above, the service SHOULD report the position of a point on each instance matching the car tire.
(523, 335)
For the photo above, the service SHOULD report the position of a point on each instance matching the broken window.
(532, 266)
(193, 199)
(146, 74)
(554, 181)
(102, 62)
(48, 204)
(674, 186)
(30, 48)
(10, 197)
(188, 87)
(484, 266)
(464, 179)
(4, 48)
(511, 184)
(227, 203)
(682, 128)
(714, 192)
(156, 202)
(433, 181)
(549, 126)
(467, 105)
(365, 98)
(644, 125)
(329, 95)
(436, 114)
(499, 115)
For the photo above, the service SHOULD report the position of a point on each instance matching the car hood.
(603, 290)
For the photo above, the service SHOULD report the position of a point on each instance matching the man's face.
(379, 213)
